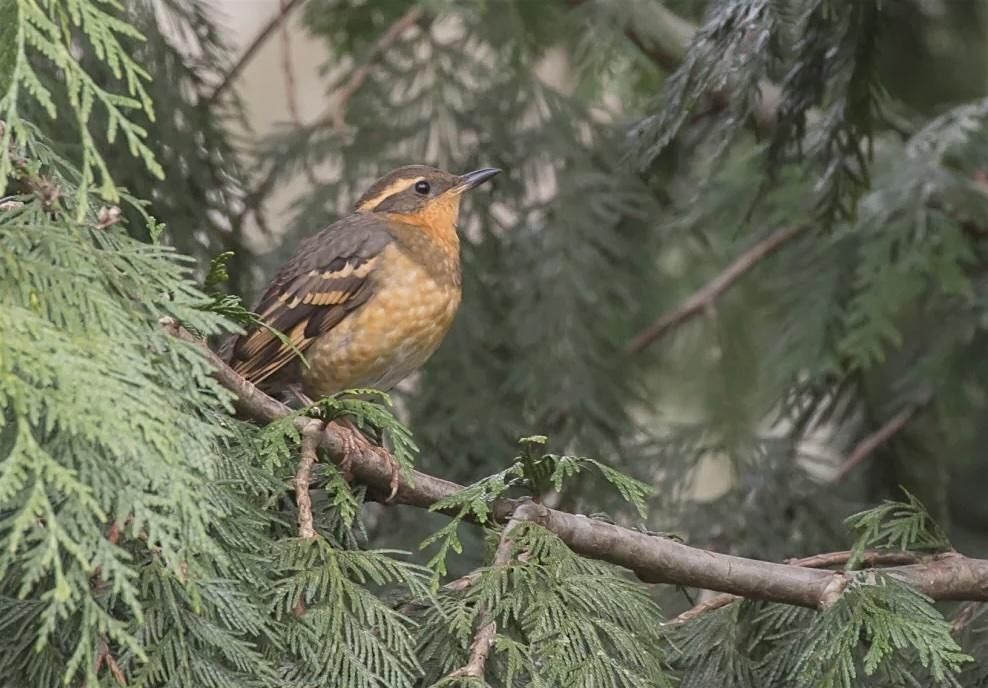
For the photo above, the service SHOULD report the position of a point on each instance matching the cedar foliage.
(147, 536)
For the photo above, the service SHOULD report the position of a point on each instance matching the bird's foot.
(352, 439)
(353, 442)
(395, 473)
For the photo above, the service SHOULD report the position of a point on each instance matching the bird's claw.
(351, 447)
(353, 442)
(395, 478)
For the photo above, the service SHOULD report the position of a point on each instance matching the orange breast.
(389, 336)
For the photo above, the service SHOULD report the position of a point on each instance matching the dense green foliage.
(148, 537)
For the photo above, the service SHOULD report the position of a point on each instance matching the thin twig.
(863, 449)
(262, 36)
(291, 91)
(311, 434)
(703, 298)
(291, 95)
(486, 633)
(303, 476)
(708, 605)
(336, 113)
(965, 615)
(479, 649)
(870, 558)
(105, 657)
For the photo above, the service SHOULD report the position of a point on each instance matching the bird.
(366, 301)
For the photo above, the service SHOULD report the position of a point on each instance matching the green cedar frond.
(48, 31)
(922, 249)
(871, 626)
(562, 621)
(346, 635)
(731, 53)
(902, 525)
(80, 316)
(716, 648)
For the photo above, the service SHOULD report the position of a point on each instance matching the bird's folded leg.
(294, 396)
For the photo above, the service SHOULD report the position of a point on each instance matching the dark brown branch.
(704, 297)
(262, 36)
(949, 576)
(336, 113)
(863, 449)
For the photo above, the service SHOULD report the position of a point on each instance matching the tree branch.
(303, 476)
(863, 449)
(948, 576)
(869, 559)
(262, 36)
(704, 297)
(336, 113)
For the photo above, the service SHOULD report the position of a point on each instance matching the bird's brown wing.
(329, 276)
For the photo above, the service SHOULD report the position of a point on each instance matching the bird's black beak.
(475, 178)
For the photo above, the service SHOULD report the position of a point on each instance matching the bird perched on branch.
(367, 300)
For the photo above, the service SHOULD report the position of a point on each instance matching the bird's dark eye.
(422, 187)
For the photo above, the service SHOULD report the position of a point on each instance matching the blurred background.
(822, 172)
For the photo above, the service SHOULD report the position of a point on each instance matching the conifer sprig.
(53, 31)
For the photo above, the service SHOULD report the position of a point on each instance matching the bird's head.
(422, 195)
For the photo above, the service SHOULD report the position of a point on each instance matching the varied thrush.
(368, 299)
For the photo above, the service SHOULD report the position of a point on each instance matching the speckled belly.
(388, 337)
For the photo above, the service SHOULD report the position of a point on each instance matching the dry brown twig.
(486, 633)
(303, 499)
(248, 54)
(336, 112)
(965, 615)
(288, 69)
(105, 657)
(291, 91)
(863, 449)
(704, 298)
(303, 477)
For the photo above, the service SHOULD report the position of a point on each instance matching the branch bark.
(949, 576)
(869, 559)
(704, 297)
(303, 476)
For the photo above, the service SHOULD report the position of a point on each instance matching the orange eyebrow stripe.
(390, 190)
